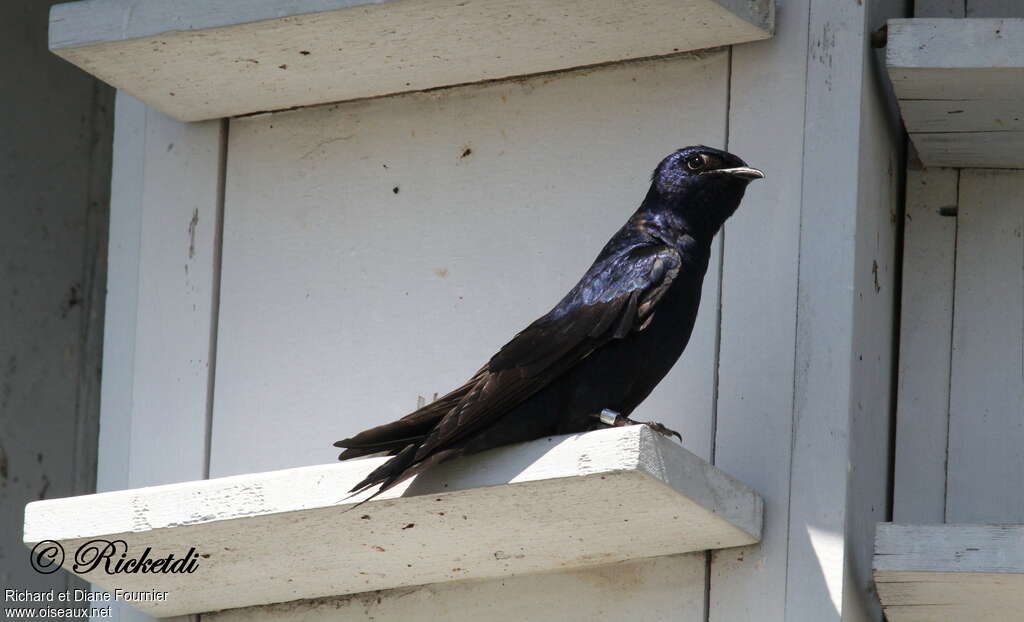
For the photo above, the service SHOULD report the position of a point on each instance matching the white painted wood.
(825, 315)
(194, 61)
(928, 573)
(873, 345)
(922, 414)
(121, 309)
(918, 44)
(961, 87)
(159, 306)
(178, 223)
(621, 493)
(971, 149)
(986, 427)
(937, 115)
(609, 592)
(759, 284)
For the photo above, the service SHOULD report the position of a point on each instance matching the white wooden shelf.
(556, 503)
(960, 86)
(933, 573)
(203, 59)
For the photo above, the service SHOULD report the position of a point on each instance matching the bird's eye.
(697, 162)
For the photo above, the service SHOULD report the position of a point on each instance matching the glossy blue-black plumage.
(606, 344)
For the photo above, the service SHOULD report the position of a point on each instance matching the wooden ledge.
(203, 59)
(932, 573)
(960, 86)
(556, 503)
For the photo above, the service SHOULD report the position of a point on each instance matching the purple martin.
(601, 350)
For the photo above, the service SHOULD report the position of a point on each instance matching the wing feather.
(614, 299)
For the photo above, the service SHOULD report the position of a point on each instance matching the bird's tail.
(392, 438)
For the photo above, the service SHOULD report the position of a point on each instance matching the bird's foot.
(611, 418)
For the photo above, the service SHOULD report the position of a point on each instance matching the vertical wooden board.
(178, 228)
(922, 411)
(986, 411)
(159, 306)
(377, 251)
(755, 398)
(939, 8)
(640, 591)
(113, 456)
(823, 391)
(994, 8)
(873, 355)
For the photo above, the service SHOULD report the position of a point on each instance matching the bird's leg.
(613, 419)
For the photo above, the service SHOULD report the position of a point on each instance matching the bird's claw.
(664, 431)
(611, 418)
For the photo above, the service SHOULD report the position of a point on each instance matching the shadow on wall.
(55, 141)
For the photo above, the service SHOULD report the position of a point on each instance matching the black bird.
(592, 359)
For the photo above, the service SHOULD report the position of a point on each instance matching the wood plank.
(874, 345)
(986, 429)
(987, 44)
(928, 573)
(922, 412)
(960, 84)
(983, 83)
(755, 399)
(121, 313)
(971, 149)
(600, 593)
(943, 59)
(199, 62)
(824, 392)
(623, 493)
(179, 226)
(932, 115)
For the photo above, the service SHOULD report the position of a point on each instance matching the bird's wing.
(608, 304)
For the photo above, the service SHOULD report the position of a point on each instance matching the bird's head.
(702, 186)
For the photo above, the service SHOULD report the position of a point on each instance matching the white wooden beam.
(934, 573)
(758, 307)
(960, 83)
(552, 504)
(986, 402)
(165, 227)
(197, 60)
(826, 316)
(922, 412)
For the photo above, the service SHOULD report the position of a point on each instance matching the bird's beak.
(744, 172)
